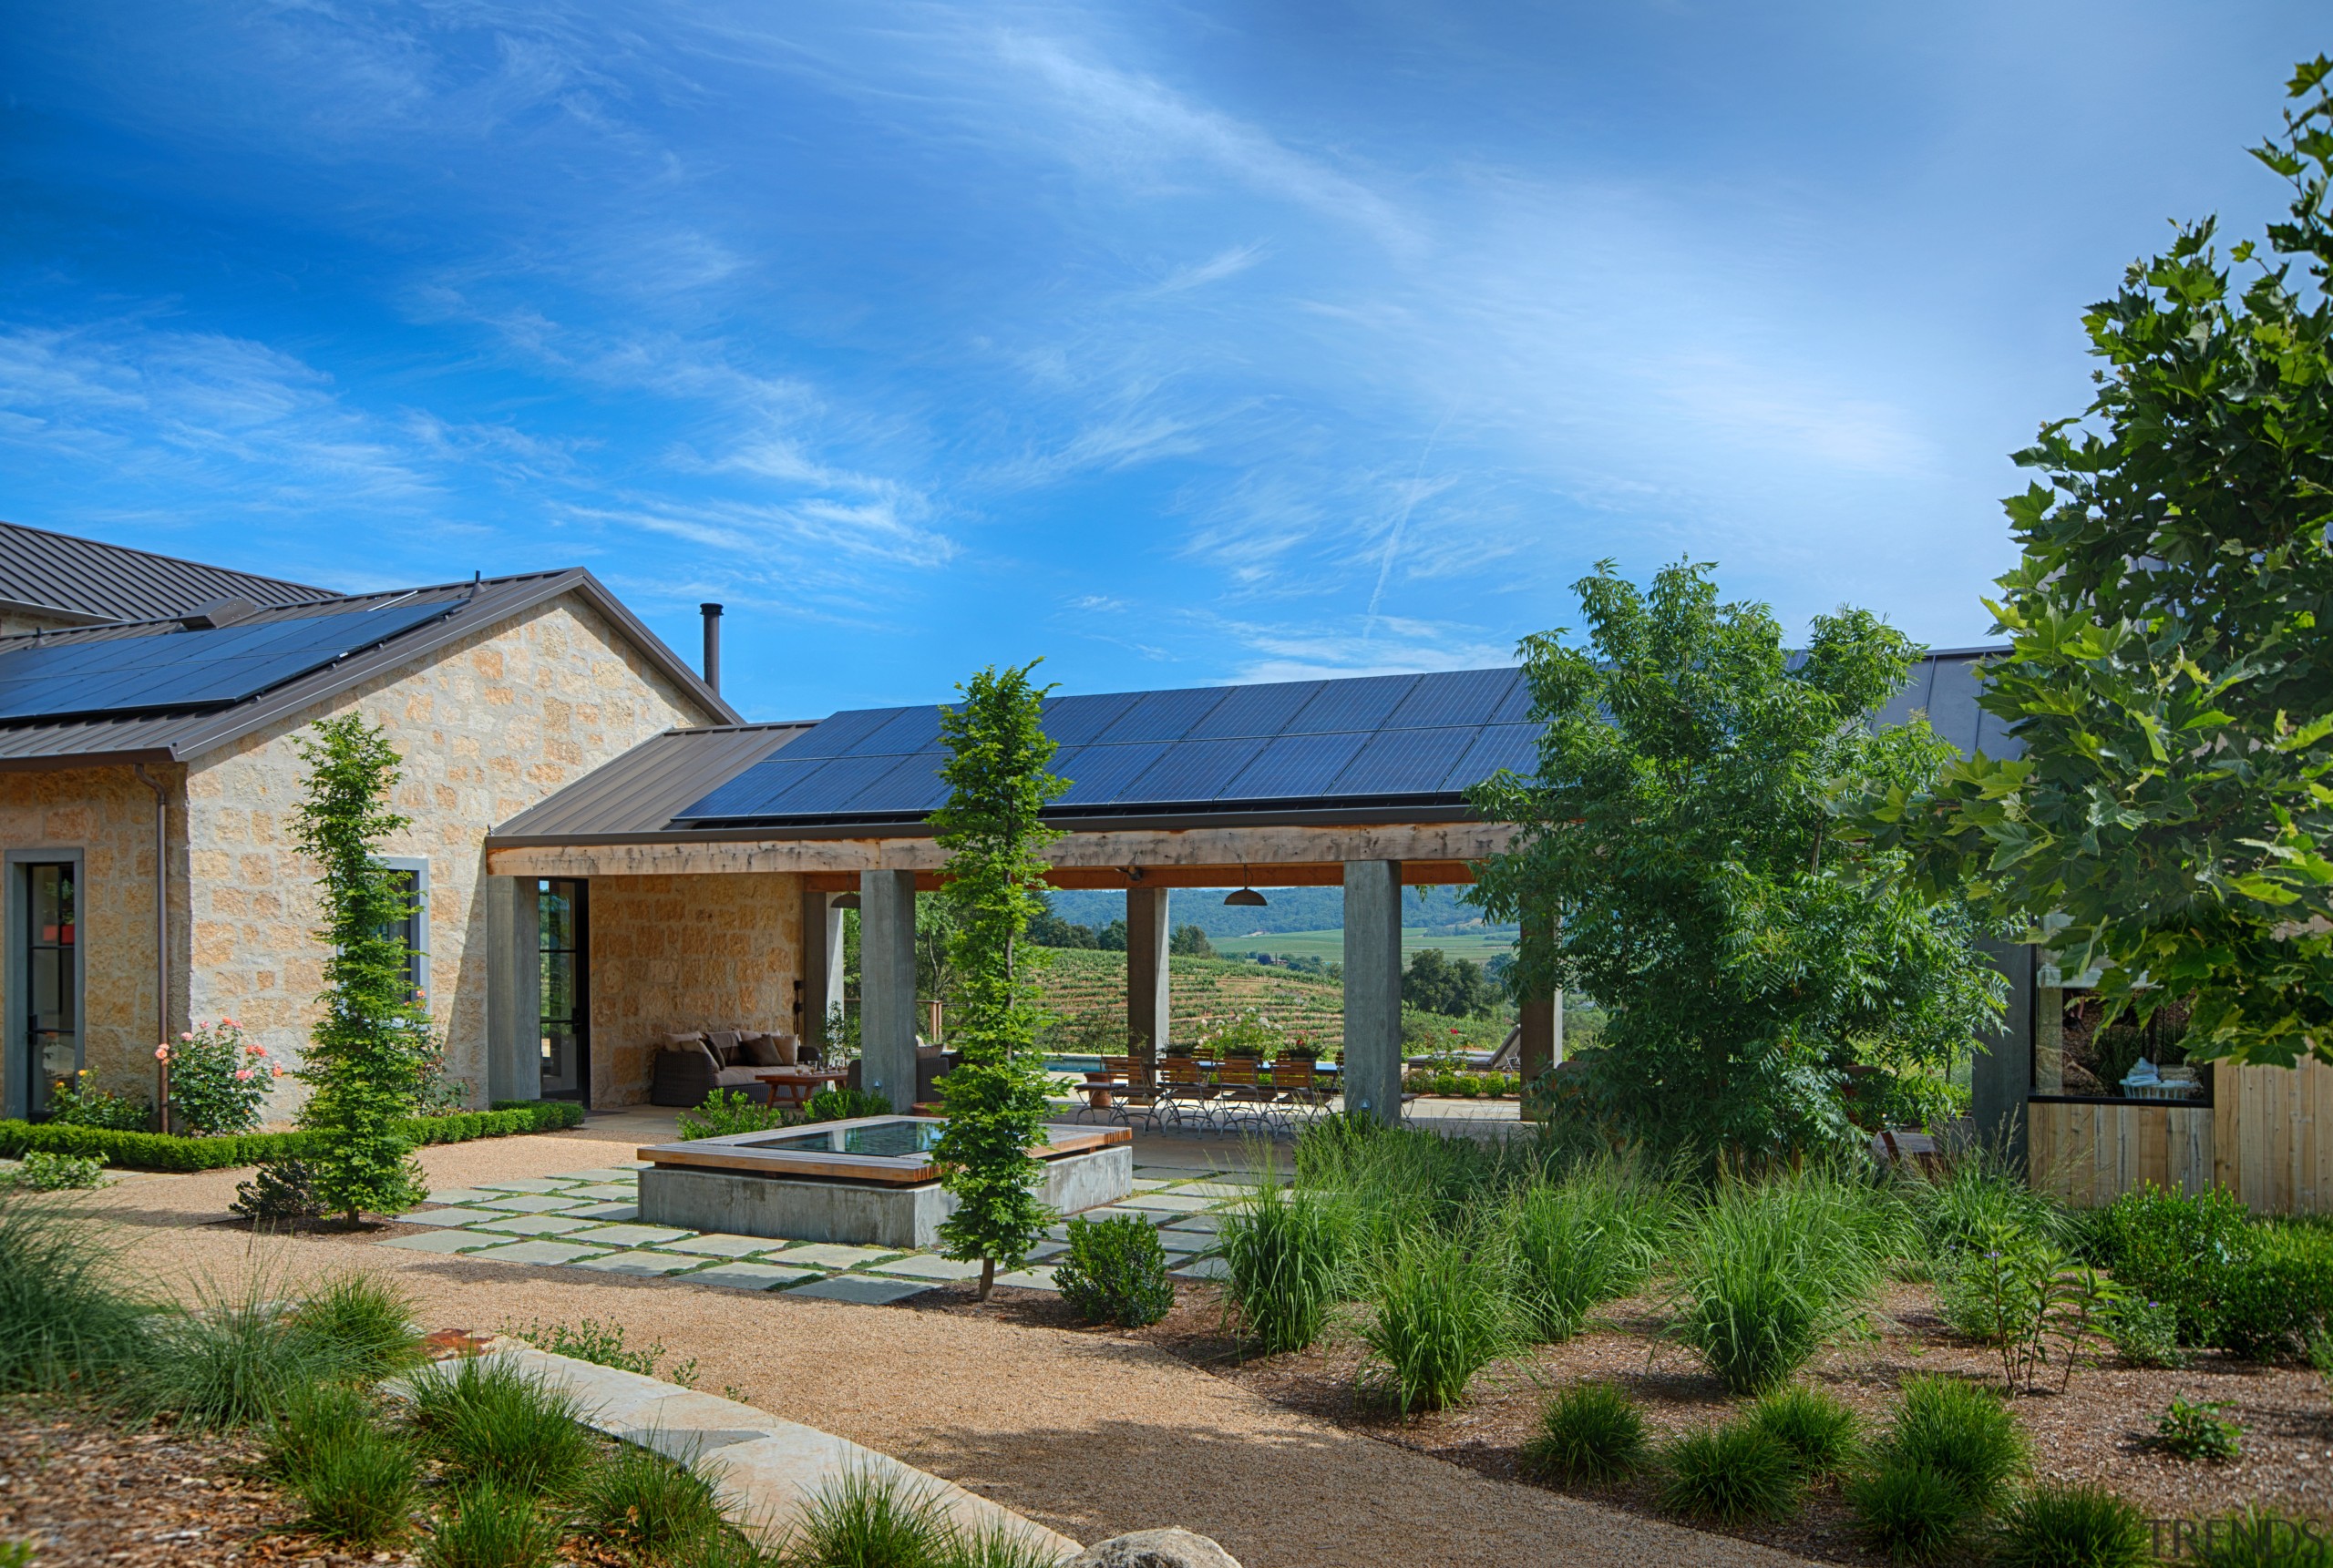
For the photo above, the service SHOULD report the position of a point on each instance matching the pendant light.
(844, 901)
(1246, 897)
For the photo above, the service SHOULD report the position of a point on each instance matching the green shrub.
(1591, 1431)
(2196, 1430)
(312, 1419)
(74, 1103)
(1911, 1513)
(66, 1315)
(367, 1319)
(1979, 1195)
(357, 1483)
(725, 1112)
(2073, 1527)
(2144, 1332)
(228, 1362)
(1774, 1270)
(2255, 1538)
(1442, 1316)
(492, 1524)
(603, 1345)
(1817, 1427)
(1588, 1241)
(42, 1171)
(1286, 1255)
(2175, 1248)
(487, 1418)
(1730, 1473)
(282, 1189)
(845, 1106)
(645, 1503)
(867, 1519)
(1962, 1433)
(2273, 1300)
(1115, 1272)
(167, 1151)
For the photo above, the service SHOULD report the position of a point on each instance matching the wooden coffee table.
(798, 1083)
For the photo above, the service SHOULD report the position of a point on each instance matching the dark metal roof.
(639, 792)
(174, 737)
(1315, 752)
(87, 581)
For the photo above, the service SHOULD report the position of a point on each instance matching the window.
(2077, 1055)
(562, 919)
(46, 1033)
(412, 880)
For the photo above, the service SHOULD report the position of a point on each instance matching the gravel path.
(1090, 1433)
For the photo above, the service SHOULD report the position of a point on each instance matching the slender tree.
(2170, 674)
(365, 1063)
(996, 1098)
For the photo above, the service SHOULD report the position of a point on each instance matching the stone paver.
(832, 1254)
(1217, 1190)
(529, 1185)
(609, 1212)
(532, 1224)
(925, 1266)
(602, 1174)
(440, 1241)
(462, 1195)
(1193, 1225)
(630, 1236)
(749, 1275)
(536, 1252)
(628, 1191)
(640, 1263)
(1029, 1280)
(447, 1216)
(863, 1288)
(1204, 1268)
(724, 1245)
(528, 1203)
(1175, 1203)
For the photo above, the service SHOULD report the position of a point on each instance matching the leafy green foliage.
(2143, 1333)
(728, 1112)
(167, 1151)
(2014, 1291)
(1819, 1429)
(1591, 1431)
(366, 1060)
(2169, 663)
(2175, 1248)
(219, 1080)
(2194, 1430)
(603, 1345)
(2274, 1302)
(1678, 831)
(1774, 1269)
(1288, 1254)
(996, 1096)
(67, 1315)
(1731, 1474)
(75, 1102)
(2084, 1526)
(42, 1171)
(1189, 942)
(1115, 1272)
(844, 1105)
(1442, 1316)
(1456, 987)
(489, 1420)
(1910, 1512)
(1962, 1432)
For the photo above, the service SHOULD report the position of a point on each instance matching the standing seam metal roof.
(88, 579)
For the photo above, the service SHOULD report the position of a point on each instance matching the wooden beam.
(1176, 857)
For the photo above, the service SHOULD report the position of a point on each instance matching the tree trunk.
(988, 1277)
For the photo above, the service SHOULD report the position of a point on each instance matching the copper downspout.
(161, 937)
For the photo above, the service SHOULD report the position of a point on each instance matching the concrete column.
(887, 1007)
(821, 984)
(2002, 1076)
(1542, 1017)
(514, 983)
(1146, 935)
(1372, 1062)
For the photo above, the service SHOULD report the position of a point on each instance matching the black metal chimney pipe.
(712, 613)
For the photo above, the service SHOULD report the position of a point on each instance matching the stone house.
(150, 712)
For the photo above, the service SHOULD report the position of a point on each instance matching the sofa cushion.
(724, 1045)
(757, 1051)
(737, 1077)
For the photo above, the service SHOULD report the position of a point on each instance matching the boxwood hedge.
(167, 1151)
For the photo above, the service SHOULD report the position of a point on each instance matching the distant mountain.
(1436, 909)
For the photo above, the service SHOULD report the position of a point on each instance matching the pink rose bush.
(219, 1080)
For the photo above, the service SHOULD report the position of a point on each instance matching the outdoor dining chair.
(1181, 1087)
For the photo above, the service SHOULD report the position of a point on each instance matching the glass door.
(562, 924)
(52, 1017)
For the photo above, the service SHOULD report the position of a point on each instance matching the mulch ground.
(2097, 1429)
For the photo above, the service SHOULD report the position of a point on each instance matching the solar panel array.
(1211, 748)
(190, 669)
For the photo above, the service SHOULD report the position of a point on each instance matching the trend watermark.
(2271, 1538)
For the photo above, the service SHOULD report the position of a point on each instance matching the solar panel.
(1293, 766)
(1256, 710)
(1073, 721)
(1405, 762)
(1454, 697)
(1358, 704)
(190, 668)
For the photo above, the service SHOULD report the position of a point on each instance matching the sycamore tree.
(995, 1097)
(2170, 674)
(1677, 859)
(367, 1058)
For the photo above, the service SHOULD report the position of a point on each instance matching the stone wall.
(486, 727)
(108, 816)
(671, 954)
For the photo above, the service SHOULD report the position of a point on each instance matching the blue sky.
(1179, 344)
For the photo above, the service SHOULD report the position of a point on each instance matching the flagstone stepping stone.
(1193, 1225)
(1173, 1202)
(724, 1245)
(601, 1173)
(530, 1204)
(864, 1289)
(630, 1236)
(1117, 1211)
(463, 1196)
(924, 1266)
(1029, 1280)
(1048, 1249)
(750, 1276)
(1203, 1269)
(1152, 1184)
(532, 1224)
(441, 1241)
(833, 1255)
(1217, 1190)
(605, 1213)
(629, 1191)
(536, 1252)
(447, 1216)
(640, 1263)
(528, 1184)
